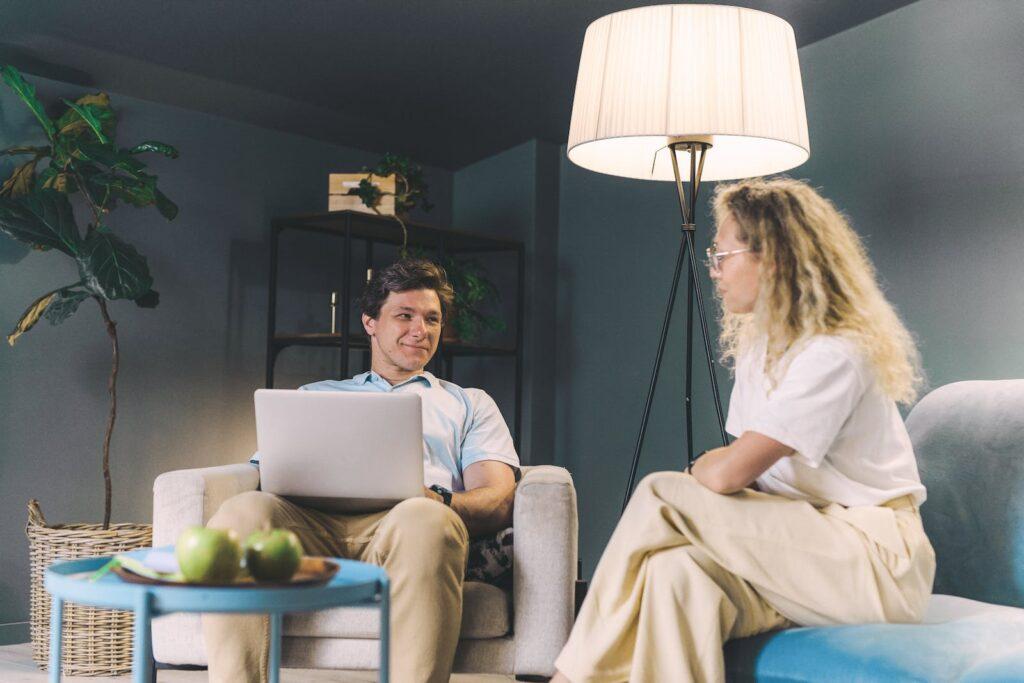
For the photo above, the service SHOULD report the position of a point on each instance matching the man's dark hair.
(406, 275)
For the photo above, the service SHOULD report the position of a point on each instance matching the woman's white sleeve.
(815, 397)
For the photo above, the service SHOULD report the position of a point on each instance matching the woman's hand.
(734, 467)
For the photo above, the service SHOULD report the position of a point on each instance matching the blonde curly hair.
(815, 278)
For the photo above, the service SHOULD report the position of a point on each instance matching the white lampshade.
(653, 75)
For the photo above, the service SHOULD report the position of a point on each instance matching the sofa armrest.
(190, 497)
(543, 567)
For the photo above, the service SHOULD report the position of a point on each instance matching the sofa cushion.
(485, 614)
(961, 640)
(967, 438)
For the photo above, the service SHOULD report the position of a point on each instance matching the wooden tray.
(313, 571)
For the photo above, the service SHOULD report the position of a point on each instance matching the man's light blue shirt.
(460, 426)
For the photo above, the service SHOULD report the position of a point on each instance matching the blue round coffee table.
(355, 584)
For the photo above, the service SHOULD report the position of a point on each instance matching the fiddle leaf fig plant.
(80, 159)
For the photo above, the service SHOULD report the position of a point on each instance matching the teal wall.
(514, 195)
(917, 133)
(188, 367)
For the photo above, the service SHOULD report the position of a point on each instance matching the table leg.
(56, 621)
(385, 631)
(142, 654)
(274, 665)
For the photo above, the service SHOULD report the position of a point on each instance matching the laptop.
(340, 451)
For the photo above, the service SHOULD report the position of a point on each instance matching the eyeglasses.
(715, 258)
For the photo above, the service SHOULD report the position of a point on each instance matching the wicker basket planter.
(97, 642)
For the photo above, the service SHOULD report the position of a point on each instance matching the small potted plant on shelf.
(473, 293)
(410, 190)
(81, 161)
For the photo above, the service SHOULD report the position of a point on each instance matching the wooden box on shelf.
(339, 185)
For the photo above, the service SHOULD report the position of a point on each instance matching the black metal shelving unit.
(370, 229)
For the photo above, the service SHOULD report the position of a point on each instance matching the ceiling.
(447, 82)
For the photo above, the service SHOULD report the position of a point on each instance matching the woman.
(810, 516)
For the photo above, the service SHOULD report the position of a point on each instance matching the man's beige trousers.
(688, 569)
(420, 543)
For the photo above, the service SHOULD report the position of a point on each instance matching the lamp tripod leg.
(707, 345)
(654, 374)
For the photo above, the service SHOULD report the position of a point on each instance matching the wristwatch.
(445, 494)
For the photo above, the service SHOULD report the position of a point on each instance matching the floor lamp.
(718, 86)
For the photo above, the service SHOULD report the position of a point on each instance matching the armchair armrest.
(190, 497)
(544, 567)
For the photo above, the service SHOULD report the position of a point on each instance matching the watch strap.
(445, 494)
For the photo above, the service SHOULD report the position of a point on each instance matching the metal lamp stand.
(688, 207)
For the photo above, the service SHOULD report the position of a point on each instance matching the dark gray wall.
(917, 132)
(515, 195)
(189, 367)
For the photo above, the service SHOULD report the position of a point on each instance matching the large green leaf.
(71, 123)
(111, 268)
(154, 146)
(64, 304)
(27, 92)
(137, 191)
(107, 155)
(43, 219)
(91, 115)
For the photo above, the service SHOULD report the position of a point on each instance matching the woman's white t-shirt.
(851, 445)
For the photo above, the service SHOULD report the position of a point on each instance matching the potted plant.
(79, 158)
(474, 293)
(410, 190)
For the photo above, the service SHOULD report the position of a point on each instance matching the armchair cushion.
(544, 567)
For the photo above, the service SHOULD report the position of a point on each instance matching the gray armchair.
(519, 633)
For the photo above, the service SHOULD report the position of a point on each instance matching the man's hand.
(486, 504)
(736, 466)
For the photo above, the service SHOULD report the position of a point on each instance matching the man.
(469, 460)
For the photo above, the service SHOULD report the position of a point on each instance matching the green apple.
(272, 555)
(208, 555)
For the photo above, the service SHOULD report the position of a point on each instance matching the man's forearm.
(485, 510)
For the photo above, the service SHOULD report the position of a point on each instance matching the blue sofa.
(969, 440)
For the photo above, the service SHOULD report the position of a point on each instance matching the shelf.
(386, 230)
(361, 233)
(320, 339)
(361, 341)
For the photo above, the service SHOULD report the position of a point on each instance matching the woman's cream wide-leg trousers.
(688, 569)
